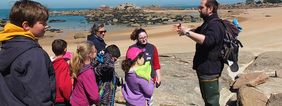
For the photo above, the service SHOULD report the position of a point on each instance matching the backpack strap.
(216, 55)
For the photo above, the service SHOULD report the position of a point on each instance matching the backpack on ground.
(230, 48)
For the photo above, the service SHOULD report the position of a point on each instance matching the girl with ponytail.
(85, 92)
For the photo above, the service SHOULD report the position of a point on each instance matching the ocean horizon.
(80, 23)
(72, 22)
(77, 22)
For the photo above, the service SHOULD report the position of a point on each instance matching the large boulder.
(250, 79)
(272, 86)
(275, 100)
(279, 73)
(79, 35)
(260, 93)
(250, 96)
(268, 62)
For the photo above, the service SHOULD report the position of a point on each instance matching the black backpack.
(231, 44)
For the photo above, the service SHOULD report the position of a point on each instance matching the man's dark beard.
(203, 15)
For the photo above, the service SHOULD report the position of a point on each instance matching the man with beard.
(207, 62)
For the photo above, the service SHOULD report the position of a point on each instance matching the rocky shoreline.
(134, 16)
(2, 23)
(130, 15)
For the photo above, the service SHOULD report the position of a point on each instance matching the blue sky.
(6, 4)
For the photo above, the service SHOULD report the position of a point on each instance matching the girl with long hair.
(85, 92)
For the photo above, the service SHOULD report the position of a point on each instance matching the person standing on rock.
(207, 62)
(150, 51)
(97, 35)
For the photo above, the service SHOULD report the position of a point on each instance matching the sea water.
(74, 23)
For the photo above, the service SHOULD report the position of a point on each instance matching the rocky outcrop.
(79, 35)
(134, 16)
(138, 17)
(55, 30)
(249, 6)
(250, 79)
(268, 62)
(56, 21)
(2, 23)
(127, 6)
(260, 84)
(249, 96)
(275, 100)
(129, 15)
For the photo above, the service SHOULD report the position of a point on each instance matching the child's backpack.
(231, 44)
(107, 79)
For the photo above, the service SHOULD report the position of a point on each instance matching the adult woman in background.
(150, 53)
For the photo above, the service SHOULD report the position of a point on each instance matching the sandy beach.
(261, 32)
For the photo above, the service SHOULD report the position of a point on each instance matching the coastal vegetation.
(2, 23)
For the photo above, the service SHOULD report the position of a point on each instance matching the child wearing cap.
(139, 85)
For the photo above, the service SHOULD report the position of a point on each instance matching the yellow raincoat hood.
(11, 30)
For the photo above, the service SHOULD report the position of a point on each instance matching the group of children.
(93, 81)
(83, 78)
(86, 80)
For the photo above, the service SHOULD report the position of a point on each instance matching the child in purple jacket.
(139, 85)
(85, 92)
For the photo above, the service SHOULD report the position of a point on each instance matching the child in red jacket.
(62, 73)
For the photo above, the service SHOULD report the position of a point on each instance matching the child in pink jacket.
(85, 92)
